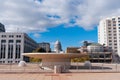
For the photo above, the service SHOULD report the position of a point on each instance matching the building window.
(10, 51)
(17, 55)
(109, 34)
(18, 41)
(11, 36)
(114, 28)
(113, 19)
(11, 41)
(114, 24)
(18, 36)
(109, 28)
(110, 37)
(3, 41)
(115, 50)
(109, 24)
(110, 44)
(109, 21)
(110, 40)
(3, 36)
(115, 47)
(115, 40)
(3, 51)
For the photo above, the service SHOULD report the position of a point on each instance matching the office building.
(109, 33)
(12, 45)
(99, 53)
(45, 46)
(72, 50)
(2, 28)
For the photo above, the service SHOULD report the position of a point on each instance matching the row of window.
(109, 21)
(11, 36)
(113, 25)
(111, 40)
(10, 51)
(100, 56)
(9, 61)
(111, 34)
(11, 41)
(109, 28)
(111, 44)
(114, 18)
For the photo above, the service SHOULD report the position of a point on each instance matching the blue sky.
(70, 36)
(70, 21)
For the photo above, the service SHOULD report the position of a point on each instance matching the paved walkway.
(67, 76)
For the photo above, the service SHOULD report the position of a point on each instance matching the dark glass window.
(11, 36)
(3, 41)
(18, 41)
(113, 18)
(11, 41)
(3, 35)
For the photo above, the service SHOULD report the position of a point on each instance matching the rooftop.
(95, 44)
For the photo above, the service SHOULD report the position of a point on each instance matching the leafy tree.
(81, 59)
(35, 60)
(35, 51)
(39, 50)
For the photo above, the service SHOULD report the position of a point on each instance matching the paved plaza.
(65, 76)
(79, 72)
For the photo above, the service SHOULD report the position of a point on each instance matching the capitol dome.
(57, 42)
(95, 47)
(57, 47)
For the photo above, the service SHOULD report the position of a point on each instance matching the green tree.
(81, 59)
(41, 50)
(35, 60)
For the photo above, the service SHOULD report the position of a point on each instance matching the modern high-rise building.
(109, 33)
(45, 46)
(2, 28)
(12, 45)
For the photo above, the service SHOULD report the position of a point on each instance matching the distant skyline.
(69, 37)
(70, 21)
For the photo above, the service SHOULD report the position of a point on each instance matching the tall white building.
(109, 33)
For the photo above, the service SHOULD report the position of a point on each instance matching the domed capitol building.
(57, 47)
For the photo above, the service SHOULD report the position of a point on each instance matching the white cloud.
(38, 15)
(37, 35)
